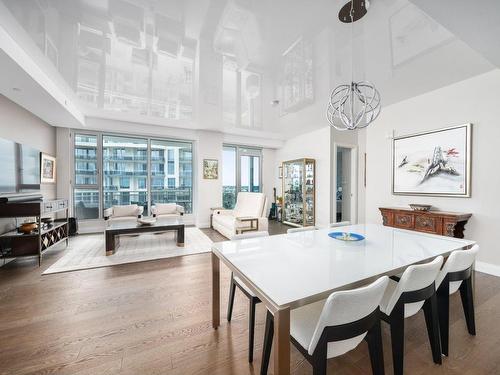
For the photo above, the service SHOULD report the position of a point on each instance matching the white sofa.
(248, 205)
(130, 212)
(163, 210)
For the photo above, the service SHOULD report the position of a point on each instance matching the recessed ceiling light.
(16, 89)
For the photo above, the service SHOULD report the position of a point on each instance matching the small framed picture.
(210, 169)
(280, 170)
(47, 168)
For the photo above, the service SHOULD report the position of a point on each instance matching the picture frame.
(280, 172)
(47, 168)
(433, 163)
(210, 169)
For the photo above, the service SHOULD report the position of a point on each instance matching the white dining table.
(291, 270)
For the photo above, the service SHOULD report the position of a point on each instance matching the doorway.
(345, 183)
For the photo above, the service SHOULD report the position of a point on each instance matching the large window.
(134, 171)
(241, 96)
(86, 192)
(241, 172)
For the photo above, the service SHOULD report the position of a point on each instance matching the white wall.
(19, 125)
(475, 100)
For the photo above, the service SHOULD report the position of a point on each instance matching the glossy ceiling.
(256, 67)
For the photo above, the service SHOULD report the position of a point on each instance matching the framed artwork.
(433, 163)
(280, 171)
(210, 169)
(47, 168)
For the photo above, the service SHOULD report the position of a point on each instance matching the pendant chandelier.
(357, 104)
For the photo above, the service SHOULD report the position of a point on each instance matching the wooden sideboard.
(450, 224)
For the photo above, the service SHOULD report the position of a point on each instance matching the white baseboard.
(490, 269)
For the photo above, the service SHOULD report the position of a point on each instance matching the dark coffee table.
(114, 230)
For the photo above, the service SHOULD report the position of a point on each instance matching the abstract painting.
(47, 169)
(434, 163)
(210, 169)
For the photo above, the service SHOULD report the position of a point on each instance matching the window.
(86, 192)
(241, 172)
(177, 187)
(297, 81)
(122, 161)
(241, 93)
(125, 171)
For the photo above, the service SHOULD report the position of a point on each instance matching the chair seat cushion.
(166, 208)
(243, 286)
(125, 210)
(303, 321)
(410, 308)
(230, 221)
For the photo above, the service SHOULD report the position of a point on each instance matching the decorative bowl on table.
(146, 220)
(28, 227)
(420, 207)
(346, 236)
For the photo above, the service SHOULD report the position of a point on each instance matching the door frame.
(354, 182)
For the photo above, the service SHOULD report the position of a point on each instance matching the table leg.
(215, 291)
(180, 237)
(282, 342)
(111, 243)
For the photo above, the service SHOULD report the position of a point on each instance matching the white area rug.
(87, 251)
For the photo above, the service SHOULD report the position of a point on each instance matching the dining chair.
(334, 326)
(302, 229)
(404, 298)
(456, 274)
(252, 298)
(340, 224)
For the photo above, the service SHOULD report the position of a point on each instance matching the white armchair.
(163, 210)
(123, 213)
(250, 208)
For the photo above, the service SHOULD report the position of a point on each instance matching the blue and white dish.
(346, 236)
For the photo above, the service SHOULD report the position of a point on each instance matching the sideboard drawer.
(403, 220)
(427, 224)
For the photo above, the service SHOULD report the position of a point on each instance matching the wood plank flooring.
(154, 318)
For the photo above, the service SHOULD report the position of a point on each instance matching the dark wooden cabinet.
(450, 224)
(36, 242)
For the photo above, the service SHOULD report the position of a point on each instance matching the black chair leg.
(268, 343)
(374, 339)
(432, 322)
(397, 322)
(251, 327)
(443, 298)
(468, 304)
(232, 289)
(319, 358)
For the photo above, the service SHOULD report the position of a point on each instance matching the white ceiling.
(160, 62)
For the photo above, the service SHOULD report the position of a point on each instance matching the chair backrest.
(125, 210)
(340, 224)
(415, 277)
(250, 204)
(301, 229)
(344, 307)
(458, 260)
(165, 208)
(253, 234)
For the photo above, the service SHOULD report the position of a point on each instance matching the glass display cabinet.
(299, 192)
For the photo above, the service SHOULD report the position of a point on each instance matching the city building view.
(127, 166)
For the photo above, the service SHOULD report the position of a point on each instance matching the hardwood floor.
(154, 318)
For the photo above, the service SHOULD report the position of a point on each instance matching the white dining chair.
(252, 298)
(455, 275)
(404, 298)
(340, 224)
(334, 326)
(302, 229)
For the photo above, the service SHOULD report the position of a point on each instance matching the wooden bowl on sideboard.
(28, 227)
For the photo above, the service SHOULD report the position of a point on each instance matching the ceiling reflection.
(266, 65)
